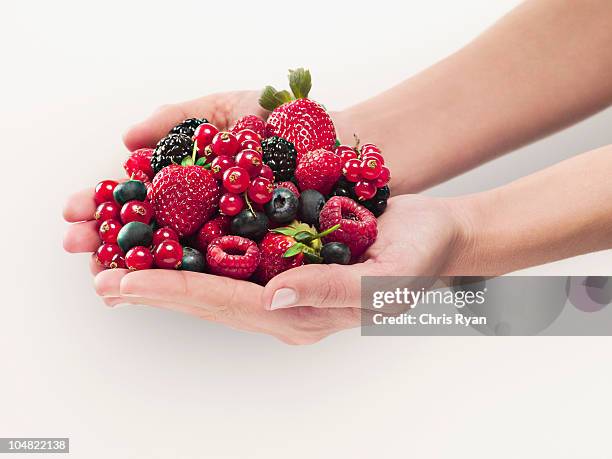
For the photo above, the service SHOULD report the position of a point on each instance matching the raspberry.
(252, 122)
(290, 186)
(357, 224)
(232, 256)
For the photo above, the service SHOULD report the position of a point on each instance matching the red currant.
(105, 254)
(352, 170)
(108, 210)
(225, 144)
(370, 168)
(104, 191)
(345, 153)
(220, 164)
(138, 258)
(369, 147)
(169, 254)
(236, 179)
(206, 153)
(163, 234)
(136, 211)
(249, 160)
(266, 172)
(365, 190)
(118, 262)
(260, 190)
(251, 145)
(383, 178)
(108, 231)
(231, 204)
(204, 135)
(374, 155)
(248, 134)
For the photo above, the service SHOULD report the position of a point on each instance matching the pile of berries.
(249, 202)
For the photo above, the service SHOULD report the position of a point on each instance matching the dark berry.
(132, 190)
(283, 206)
(311, 203)
(339, 191)
(133, 234)
(171, 149)
(168, 254)
(336, 252)
(281, 156)
(378, 206)
(138, 258)
(193, 260)
(252, 225)
(104, 191)
(188, 126)
(383, 193)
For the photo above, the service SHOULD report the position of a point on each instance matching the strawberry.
(252, 122)
(232, 256)
(212, 229)
(138, 165)
(184, 197)
(357, 229)
(297, 119)
(319, 170)
(290, 186)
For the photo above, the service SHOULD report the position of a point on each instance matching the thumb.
(319, 286)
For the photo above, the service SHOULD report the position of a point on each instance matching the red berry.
(365, 190)
(251, 145)
(373, 155)
(138, 165)
(105, 254)
(104, 191)
(273, 262)
(139, 258)
(204, 134)
(260, 190)
(136, 211)
(220, 164)
(252, 122)
(352, 170)
(249, 160)
(383, 178)
(211, 230)
(266, 172)
(225, 143)
(108, 231)
(168, 254)
(108, 210)
(118, 262)
(236, 179)
(206, 153)
(232, 256)
(231, 204)
(318, 170)
(248, 134)
(164, 234)
(345, 153)
(368, 148)
(370, 168)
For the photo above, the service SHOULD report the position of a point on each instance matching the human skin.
(547, 64)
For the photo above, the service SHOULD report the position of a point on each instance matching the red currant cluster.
(123, 219)
(236, 161)
(364, 167)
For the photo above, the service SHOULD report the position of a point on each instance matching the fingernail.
(283, 298)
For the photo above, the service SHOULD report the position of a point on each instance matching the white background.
(139, 382)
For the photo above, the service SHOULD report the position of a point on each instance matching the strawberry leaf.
(268, 99)
(187, 161)
(285, 230)
(292, 251)
(300, 82)
(283, 97)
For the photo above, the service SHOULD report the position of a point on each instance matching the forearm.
(557, 213)
(542, 67)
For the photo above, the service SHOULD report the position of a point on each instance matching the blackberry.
(172, 148)
(281, 156)
(188, 126)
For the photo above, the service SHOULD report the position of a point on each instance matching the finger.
(107, 283)
(80, 206)
(206, 291)
(94, 266)
(81, 237)
(320, 286)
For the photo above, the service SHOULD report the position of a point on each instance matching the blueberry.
(133, 234)
(251, 226)
(129, 191)
(193, 260)
(283, 206)
(336, 252)
(311, 203)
